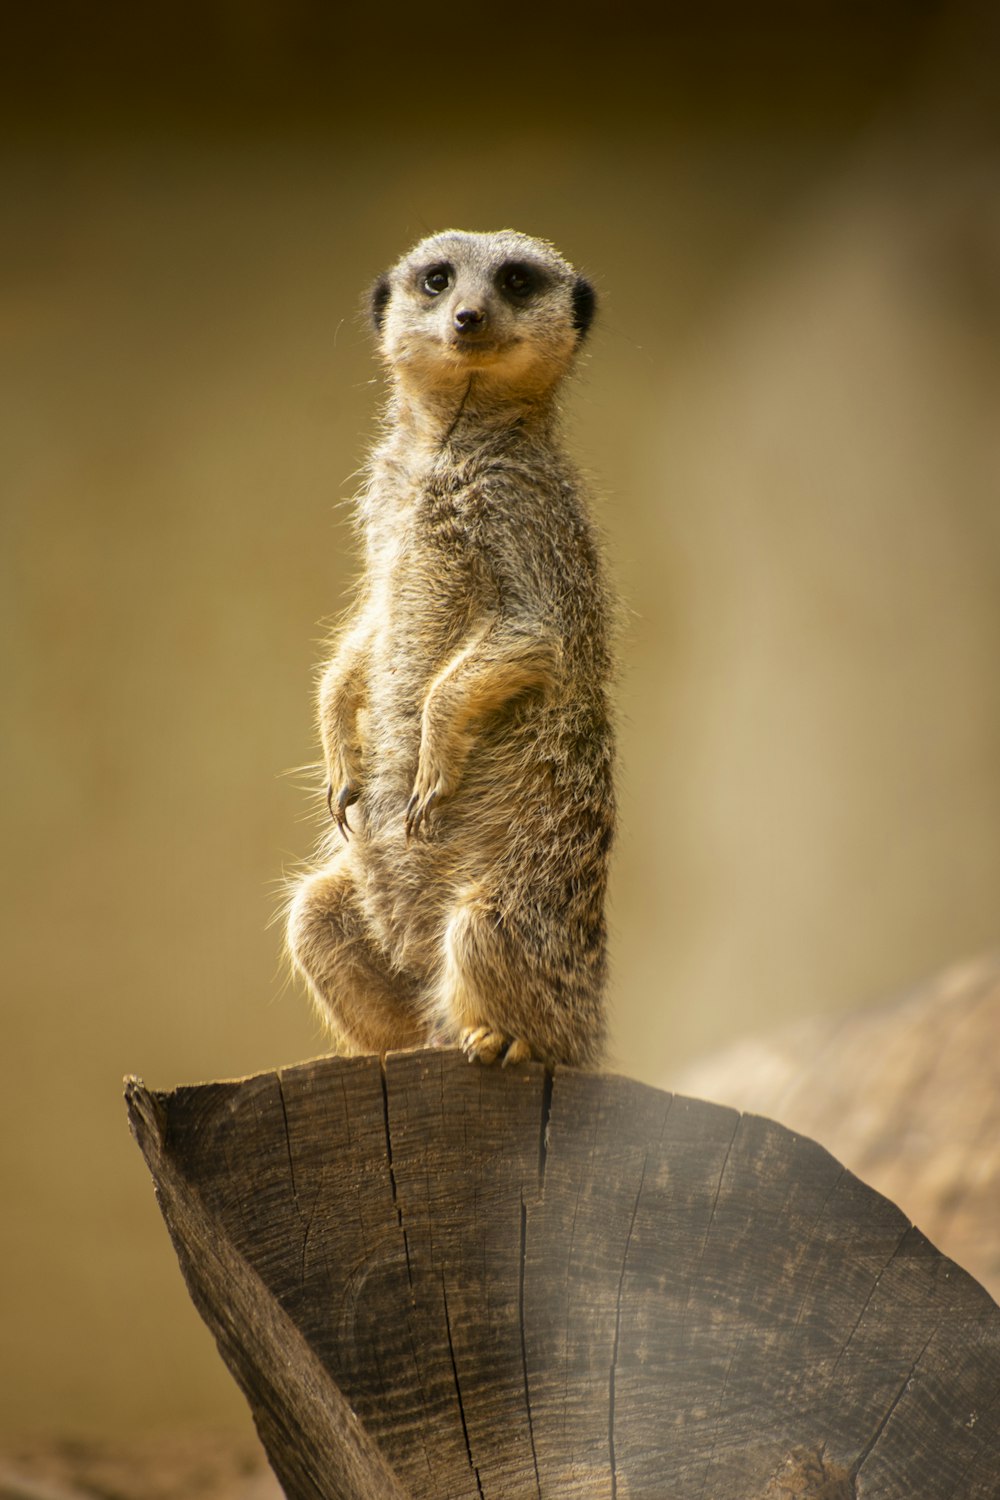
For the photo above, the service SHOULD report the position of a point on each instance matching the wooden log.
(442, 1280)
(906, 1094)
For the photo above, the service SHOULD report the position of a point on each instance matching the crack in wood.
(692, 1279)
(458, 1389)
(618, 1328)
(543, 1138)
(569, 1266)
(307, 1222)
(866, 1452)
(288, 1142)
(718, 1194)
(392, 1176)
(867, 1302)
(524, 1350)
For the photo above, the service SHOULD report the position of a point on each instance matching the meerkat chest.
(427, 588)
(429, 557)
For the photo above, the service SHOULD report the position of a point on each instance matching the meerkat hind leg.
(483, 1044)
(372, 1009)
(462, 1002)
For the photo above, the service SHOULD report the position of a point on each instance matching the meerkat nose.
(469, 319)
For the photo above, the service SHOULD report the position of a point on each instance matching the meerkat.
(465, 718)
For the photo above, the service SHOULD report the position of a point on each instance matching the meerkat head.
(504, 307)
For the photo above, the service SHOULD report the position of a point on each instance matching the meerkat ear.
(584, 306)
(377, 301)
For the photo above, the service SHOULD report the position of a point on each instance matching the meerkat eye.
(437, 280)
(518, 280)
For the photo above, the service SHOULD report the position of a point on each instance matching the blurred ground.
(789, 413)
(182, 1466)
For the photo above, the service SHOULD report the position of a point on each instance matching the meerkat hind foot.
(483, 1044)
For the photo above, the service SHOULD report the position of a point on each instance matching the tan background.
(790, 414)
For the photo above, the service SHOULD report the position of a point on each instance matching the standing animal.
(459, 894)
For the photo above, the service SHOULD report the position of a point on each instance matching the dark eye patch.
(436, 279)
(519, 280)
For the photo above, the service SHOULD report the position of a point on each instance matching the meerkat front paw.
(430, 786)
(338, 805)
(483, 1044)
(344, 766)
(418, 811)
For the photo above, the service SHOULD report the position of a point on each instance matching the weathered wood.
(314, 1440)
(465, 1283)
(907, 1095)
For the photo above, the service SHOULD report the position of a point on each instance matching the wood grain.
(447, 1281)
(907, 1094)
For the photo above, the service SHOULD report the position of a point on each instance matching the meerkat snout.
(470, 319)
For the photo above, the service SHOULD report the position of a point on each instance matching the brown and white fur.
(464, 715)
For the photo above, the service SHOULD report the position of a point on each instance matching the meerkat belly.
(419, 631)
(412, 883)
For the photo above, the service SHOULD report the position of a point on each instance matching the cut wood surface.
(462, 1283)
(907, 1095)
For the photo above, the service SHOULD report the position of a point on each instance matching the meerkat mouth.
(479, 346)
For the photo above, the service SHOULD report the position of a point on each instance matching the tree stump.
(907, 1095)
(450, 1282)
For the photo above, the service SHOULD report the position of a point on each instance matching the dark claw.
(418, 813)
(347, 795)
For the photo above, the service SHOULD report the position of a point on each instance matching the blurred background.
(789, 414)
